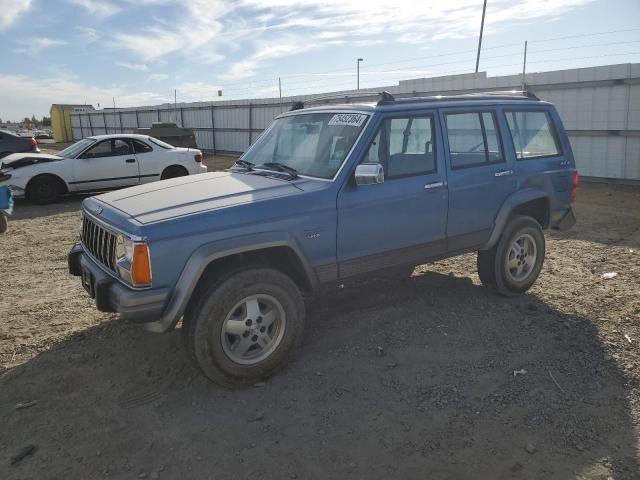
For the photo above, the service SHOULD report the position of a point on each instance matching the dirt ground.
(428, 377)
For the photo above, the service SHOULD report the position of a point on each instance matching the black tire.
(174, 171)
(45, 189)
(3, 222)
(492, 264)
(485, 263)
(204, 322)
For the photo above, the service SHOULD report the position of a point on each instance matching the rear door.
(107, 164)
(480, 174)
(543, 156)
(402, 220)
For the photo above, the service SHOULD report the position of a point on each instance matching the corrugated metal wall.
(600, 107)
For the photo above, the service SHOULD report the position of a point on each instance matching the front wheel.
(513, 265)
(3, 222)
(245, 328)
(44, 189)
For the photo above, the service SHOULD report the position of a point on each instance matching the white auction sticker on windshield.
(348, 119)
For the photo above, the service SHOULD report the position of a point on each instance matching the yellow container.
(61, 120)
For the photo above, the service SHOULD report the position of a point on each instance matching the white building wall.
(600, 108)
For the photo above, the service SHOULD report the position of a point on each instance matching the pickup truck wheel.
(519, 256)
(3, 222)
(244, 329)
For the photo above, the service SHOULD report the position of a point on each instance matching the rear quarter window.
(533, 133)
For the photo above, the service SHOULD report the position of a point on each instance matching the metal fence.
(600, 107)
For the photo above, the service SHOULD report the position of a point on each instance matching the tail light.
(574, 186)
(198, 158)
(34, 142)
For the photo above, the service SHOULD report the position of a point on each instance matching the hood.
(157, 201)
(18, 160)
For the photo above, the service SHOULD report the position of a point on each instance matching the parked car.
(97, 163)
(326, 195)
(12, 143)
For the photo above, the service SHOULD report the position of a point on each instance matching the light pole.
(484, 9)
(358, 74)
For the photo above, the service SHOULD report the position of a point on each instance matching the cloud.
(198, 25)
(35, 45)
(158, 77)
(100, 8)
(23, 94)
(10, 10)
(88, 34)
(140, 67)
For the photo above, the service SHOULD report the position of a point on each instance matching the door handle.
(503, 173)
(130, 160)
(434, 185)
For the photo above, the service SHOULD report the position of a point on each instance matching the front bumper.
(139, 306)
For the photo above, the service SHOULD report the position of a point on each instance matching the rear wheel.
(245, 328)
(3, 222)
(174, 171)
(45, 189)
(514, 264)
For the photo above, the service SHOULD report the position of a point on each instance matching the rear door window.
(474, 139)
(533, 134)
(141, 147)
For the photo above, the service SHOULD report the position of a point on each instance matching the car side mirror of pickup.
(369, 174)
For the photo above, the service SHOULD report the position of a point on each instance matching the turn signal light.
(198, 158)
(34, 142)
(141, 266)
(574, 187)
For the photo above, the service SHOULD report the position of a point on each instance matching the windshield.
(160, 143)
(314, 144)
(74, 150)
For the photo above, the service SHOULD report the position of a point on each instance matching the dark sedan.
(12, 143)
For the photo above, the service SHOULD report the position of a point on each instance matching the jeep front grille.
(99, 242)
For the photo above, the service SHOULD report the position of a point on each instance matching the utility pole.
(524, 66)
(358, 73)
(484, 9)
(114, 102)
(175, 105)
(280, 93)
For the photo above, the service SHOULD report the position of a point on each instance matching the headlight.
(133, 261)
(124, 248)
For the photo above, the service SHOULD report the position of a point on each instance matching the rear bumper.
(564, 220)
(139, 306)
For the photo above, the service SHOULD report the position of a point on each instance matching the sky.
(136, 52)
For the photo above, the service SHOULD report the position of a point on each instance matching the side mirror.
(369, 174)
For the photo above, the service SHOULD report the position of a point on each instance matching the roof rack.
(387, 98)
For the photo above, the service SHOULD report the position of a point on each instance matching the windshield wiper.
(244, 164)
(281, 167)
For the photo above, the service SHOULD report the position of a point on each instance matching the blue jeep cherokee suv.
(326, 194)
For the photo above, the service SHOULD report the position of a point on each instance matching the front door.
(108, 164)
(403, 219)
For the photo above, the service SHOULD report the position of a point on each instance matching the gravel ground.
(426, 377)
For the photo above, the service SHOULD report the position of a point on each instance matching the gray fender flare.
(509, 205)
(204, 255)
